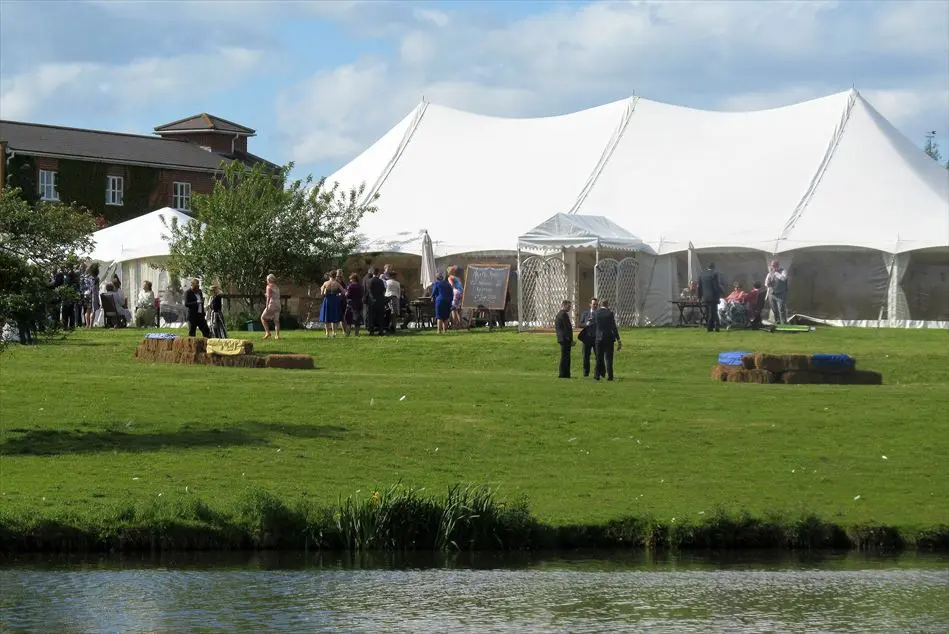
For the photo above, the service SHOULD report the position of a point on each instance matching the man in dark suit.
(564, 337)
(376, 302)
(710, 292)
(588, 335)
(194, 302)
(606, 334)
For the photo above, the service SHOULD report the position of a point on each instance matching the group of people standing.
(209, 317)
(598, 334)
(720, 307)
(374, 302)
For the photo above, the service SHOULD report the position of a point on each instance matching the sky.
(321, 81)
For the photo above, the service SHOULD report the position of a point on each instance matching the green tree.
(256, 222)
(35, 240)
(932, 148)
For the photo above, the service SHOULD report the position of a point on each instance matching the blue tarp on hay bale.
(731, 358)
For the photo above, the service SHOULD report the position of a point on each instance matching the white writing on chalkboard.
(486, 286)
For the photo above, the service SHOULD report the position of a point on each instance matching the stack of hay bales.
(194, 351)
(792, 369)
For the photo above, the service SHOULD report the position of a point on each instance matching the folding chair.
(113, 319)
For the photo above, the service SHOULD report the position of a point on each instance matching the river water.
(574, 593)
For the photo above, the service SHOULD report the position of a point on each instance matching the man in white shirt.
(393, 295)
(777, 284)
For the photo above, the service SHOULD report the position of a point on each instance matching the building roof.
(204, 122)
(113, 147)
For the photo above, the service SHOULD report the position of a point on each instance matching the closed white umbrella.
(427, 275)
(695, 267)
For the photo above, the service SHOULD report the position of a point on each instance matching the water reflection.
(576, 593)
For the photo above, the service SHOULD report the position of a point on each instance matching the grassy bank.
(105, 450)
(399, 519)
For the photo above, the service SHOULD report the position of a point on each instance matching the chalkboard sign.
(486, 286)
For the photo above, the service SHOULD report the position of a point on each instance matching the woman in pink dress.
(271, 308)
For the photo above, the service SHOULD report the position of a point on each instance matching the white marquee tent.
(855, 211)
(136, 249)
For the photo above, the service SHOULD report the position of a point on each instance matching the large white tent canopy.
(830, 171)
(830, 175)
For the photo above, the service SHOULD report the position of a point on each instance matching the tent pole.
(520, 291)
(596, 277)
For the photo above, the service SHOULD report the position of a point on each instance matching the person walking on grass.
(606, 335)
(271, 308)
(194, 302)
(564, 331)
(587, 336)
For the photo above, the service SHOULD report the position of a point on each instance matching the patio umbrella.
(427, 275)
(695, 267)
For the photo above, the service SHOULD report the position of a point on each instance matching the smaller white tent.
(572, 256)
(136, 250)
(573, 231)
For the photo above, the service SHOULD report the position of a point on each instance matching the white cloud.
(121, 87)
(914, 111)
(722, 55)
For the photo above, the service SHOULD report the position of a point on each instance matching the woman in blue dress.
(331, 311)
(442, 293)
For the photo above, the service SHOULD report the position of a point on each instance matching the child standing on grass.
(271, 308)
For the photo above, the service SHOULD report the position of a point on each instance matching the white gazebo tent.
(574, 257)
(136, 250)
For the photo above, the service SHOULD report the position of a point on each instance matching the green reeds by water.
(466, 518)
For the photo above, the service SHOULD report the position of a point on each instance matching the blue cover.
(833, 360)
(731, 358)
(159, 335)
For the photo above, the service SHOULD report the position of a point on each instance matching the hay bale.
(826, 368)
(800, 377)
(190, 345)
(237, 361)
(290, 361)
(760, 376)
(725, 372)
(769, 362)
(860, 377)
(748, 362)
(796, 362)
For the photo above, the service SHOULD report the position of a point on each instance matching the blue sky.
(320, 81)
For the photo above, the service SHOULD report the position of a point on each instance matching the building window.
(182, 197)
(48, 189)
(114, 190)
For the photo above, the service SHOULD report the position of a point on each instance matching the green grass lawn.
(85, 426)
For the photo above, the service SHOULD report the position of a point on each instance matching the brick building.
(119, 176)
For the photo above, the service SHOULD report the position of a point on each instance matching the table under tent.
(577, 257)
